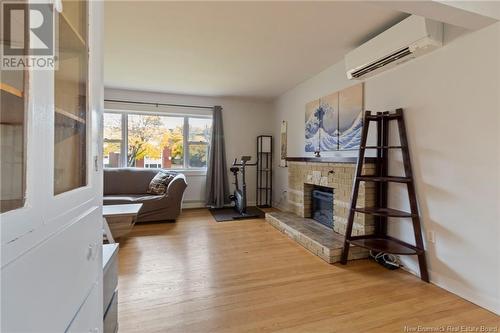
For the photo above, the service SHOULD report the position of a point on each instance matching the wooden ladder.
(380, 241)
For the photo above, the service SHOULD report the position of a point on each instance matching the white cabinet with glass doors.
(51, 196)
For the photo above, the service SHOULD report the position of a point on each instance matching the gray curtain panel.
(217, 188)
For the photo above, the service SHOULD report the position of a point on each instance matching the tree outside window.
(155, 138)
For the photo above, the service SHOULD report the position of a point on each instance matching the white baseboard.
(193, 204)
(486, 301)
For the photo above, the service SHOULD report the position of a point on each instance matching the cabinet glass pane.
(12, 139)
(71, 80)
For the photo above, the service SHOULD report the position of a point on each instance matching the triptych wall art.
(334, 122)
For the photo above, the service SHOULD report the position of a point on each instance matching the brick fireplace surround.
(303, 174)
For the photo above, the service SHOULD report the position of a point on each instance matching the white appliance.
(410, 38)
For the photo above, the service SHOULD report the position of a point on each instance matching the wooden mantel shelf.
(330, 159)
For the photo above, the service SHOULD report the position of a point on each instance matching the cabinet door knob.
(95, 249)
(90, 251)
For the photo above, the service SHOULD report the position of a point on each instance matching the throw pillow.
(159, 183)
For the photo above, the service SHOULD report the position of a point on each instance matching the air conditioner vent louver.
(409, 39)
(382, 62)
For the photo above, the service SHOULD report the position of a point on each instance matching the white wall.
(243, 121)
(452, 106)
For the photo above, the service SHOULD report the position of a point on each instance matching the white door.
(51, 232)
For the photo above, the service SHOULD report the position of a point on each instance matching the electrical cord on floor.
(389, 261)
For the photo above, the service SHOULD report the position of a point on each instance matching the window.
(199, 140)
(156, 141)
(112, 140)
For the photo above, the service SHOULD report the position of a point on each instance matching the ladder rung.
(384, 179)
(385, 244)
(382, 147)
(390, 116)
(377, 211)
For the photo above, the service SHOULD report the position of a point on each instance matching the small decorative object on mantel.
(283, 144)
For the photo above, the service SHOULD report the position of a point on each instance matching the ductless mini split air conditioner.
(410, 38)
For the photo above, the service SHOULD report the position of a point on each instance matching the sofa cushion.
(159, 183)
(127, 181)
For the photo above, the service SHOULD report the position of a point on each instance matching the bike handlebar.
(243, 163)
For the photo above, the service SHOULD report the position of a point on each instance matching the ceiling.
(241, 49)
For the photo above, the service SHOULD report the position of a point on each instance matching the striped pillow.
(159, 183)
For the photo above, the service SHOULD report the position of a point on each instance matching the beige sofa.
(130, 185)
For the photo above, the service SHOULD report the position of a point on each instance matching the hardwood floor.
(198, 275)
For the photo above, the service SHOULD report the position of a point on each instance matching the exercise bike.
(240, 195)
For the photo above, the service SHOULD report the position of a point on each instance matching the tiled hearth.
(297, 224)
(315, 237)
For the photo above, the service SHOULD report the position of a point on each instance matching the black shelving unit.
(264, 171)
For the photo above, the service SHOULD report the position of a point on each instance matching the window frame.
(185, 136)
